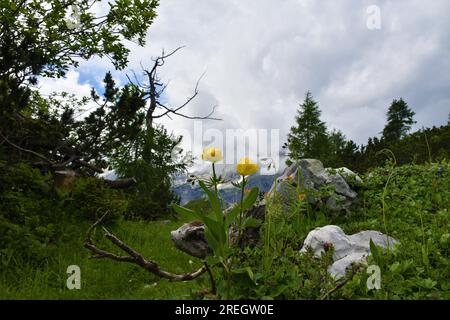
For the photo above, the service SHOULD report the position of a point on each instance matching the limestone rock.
(190, 238)
(250, 236)
(348, 249)
(348, 174)
(311, 175)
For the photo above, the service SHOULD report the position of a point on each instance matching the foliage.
(90, 197)
(153, 165)
(37, 40)
(417, 202)
(416, 198)
(417, 215)
(399, 120)
(103, 279)
(23, 233)
(308, 138)
(32, 211)
(425, 145)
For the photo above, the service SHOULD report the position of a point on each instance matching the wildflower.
(247, 190)
(290, 178)
(301, 196)
(212, 154)
(266, 195)
(327, 246)
(246, 167)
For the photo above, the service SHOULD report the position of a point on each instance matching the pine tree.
(308, 138)
(399, 121)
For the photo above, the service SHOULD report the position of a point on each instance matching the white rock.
(347, 173)
(347, 249)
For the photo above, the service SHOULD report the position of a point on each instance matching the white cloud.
(70, 84)
(261, 56)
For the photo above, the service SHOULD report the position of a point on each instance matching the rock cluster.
(311, 175)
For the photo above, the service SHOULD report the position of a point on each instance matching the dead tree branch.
(153, 89)
(133, 256)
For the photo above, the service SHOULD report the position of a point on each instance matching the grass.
(416, 204)
(105, 279)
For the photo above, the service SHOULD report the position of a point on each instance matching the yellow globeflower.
(246, 167)
(212, 154)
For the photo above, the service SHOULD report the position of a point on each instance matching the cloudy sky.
(261, 56)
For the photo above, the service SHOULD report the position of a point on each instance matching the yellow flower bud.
(212, 154)
(246, 167)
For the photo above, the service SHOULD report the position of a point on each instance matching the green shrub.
(29, 214)
(35, 217)
(91, 198)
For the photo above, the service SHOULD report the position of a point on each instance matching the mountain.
(230, 193)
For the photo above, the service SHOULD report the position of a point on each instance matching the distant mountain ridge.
(188, 192)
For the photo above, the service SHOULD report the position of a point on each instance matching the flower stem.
(211, 277)
(241, 213)
(215, 179)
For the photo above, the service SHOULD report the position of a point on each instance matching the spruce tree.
(308, 138)
(399, 121)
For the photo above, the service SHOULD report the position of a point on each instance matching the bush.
(152, 197)
(34, 216)
(29, 214)
(92, 198)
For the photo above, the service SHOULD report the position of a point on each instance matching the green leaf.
(185, 212)
(213, 260)
(212, 241)
(252, 223)
(246, 270)
(231, 216)
(216, 229)
(250, 199)
(375, 252)
(425, 256)
(395, 267)
(215, 203)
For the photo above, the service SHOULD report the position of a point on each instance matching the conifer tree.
(308, 138)
(399, 121)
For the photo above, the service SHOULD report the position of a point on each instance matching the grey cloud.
(260, 58)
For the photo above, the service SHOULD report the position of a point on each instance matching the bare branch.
(133, 256)
(153, 94)
(56, 166)
(121, 183)
(27, 150)
(88, 165)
